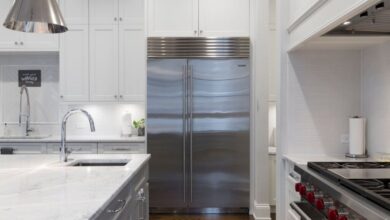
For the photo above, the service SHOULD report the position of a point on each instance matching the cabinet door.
(132, 63)
(224, 18)
(39, 42)
(75, 148)
(74, 74)
(26, 148)
(103, 12)
(104, 62)
(173, 18)
(131, 12)
(75, 11)
(121, 148)
(8, 39)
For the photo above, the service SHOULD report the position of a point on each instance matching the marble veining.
(40, 187)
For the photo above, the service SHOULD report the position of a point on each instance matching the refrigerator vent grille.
(198, 47)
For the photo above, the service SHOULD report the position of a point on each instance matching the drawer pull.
(123, 203)
(120, 149)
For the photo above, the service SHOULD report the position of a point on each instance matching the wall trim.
(308, 12)
(261, 211)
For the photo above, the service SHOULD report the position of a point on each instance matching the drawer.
(26, 148)
(121, 148)
(76, 148)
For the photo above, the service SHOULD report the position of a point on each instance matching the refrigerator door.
(165, 131)
(219, 142)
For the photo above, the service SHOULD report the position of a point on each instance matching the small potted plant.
(140, 126)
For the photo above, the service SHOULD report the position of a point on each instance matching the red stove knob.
(302, 190)
(320, 204)
(343, 217)
(310, 196)
(333, 214)
(298, 187)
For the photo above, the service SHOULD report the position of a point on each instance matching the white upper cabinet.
(104, 62)
(132, 63)
(221, 18)
(173, 18)
(204, 18)
(103, 11)
(75, 11)
(131, 12)
(74, 69)
(19, 41)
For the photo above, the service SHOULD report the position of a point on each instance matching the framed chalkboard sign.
(30, 78)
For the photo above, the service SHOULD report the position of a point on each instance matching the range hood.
(375, 21)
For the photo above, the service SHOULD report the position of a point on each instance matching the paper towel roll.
(357, 136)
(126, 124)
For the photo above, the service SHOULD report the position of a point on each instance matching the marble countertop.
(302, 159)
(90, 138)
(40, 187)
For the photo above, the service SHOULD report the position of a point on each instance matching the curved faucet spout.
(64, 152)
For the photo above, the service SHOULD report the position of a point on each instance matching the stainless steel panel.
(165, 127)
(220, 133)
(362, 173)
(198, 47)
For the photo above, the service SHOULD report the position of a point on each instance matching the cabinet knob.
(21, 43)
(115, 19)
(61, 96)
(16, 43)
(120, 19)
(201, 31)
(195, 31)
(115, 96)
(121, 96)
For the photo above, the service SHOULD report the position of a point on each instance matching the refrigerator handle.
(190, 127)
(185, 112)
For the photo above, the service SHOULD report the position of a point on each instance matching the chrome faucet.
(27, 115)
(64, 152)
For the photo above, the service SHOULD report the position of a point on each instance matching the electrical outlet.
(344, 139)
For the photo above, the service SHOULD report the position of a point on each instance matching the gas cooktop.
(369, 179)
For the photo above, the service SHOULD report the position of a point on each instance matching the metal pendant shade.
(36, 16)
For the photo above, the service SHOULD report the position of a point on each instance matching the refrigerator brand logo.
(241, 65)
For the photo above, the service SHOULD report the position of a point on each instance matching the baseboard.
(261, 212)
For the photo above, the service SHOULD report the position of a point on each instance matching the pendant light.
(36, 16)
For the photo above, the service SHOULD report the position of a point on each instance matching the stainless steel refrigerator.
(198, 124)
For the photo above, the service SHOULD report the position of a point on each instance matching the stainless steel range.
(344, 190)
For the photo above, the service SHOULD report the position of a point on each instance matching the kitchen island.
(40, 187)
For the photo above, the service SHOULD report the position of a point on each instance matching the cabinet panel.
(103, 12)
(132, 63)
(39, 42)
(104, 62)
(75, 11)
(25, 148)
(8, 38)
(173, 18)
(74, 74)
(121, 148)
(76, 148)
(131, 11)
(224, 18)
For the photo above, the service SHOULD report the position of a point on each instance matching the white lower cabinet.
(121, 148)
(131, 203)
(25, 148)
(75, 148)
(272, 179)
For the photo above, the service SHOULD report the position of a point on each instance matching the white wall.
(46, 108)
(376, 97)
(322, 92)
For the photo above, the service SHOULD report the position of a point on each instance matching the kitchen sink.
(25, 137)
(99, 163)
